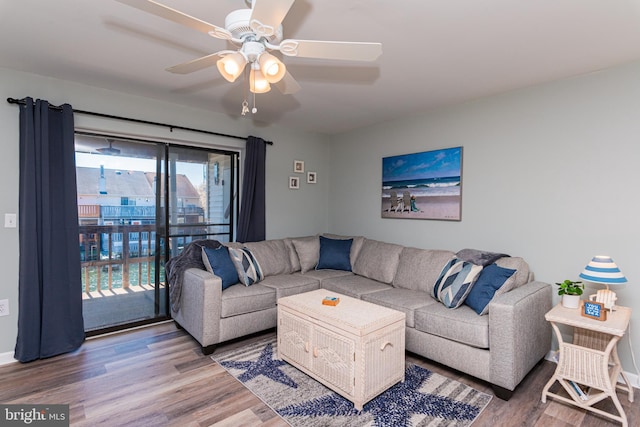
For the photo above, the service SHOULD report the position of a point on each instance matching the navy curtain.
(251, 219)
(50, 287)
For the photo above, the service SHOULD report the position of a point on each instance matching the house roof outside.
(184, 187)
(128, 183)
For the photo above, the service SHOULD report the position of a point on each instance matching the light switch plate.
(4, 307)
(10, 220)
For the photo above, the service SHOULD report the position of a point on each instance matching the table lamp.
(602, 269)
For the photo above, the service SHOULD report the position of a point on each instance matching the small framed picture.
(311, 177)
(594, 310)
(294, 182)
(298, 166)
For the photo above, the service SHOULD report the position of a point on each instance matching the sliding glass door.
(201, 194)
(133, 216)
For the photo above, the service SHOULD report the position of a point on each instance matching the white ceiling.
(435, 52)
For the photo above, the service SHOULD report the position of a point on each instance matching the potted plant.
(570, 292)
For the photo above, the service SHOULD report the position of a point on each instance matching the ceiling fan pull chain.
(245, 104)
(254, 109)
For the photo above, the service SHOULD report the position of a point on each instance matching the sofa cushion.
(418, 269)
(455, 282)
(308, 250)
(405, 300)
(291, 284)
(522, 270)
(334, 254)
(378, 260)
(356, 246)
(240, 299)
(353, 286)
(462, 325)
(218, 261)
(321, 275)
(248, 268)
(492, 279)
(234, 245)
(272, 255)
(293, 255)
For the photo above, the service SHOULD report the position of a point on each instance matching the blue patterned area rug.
(424, 399)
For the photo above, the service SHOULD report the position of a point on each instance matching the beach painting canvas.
(425, 185)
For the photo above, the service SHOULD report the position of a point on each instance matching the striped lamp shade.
(602, 269)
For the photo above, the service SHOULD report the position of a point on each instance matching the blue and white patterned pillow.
(455, 282)
(247, 266)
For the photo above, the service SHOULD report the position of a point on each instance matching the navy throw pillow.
(491, 279)
(334, 254)
(218, 262)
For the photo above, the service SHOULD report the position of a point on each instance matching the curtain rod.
(146, 122)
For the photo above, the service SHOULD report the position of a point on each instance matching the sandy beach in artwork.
(429, 207)
(433, 180)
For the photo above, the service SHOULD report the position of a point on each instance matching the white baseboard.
(634, 379)
(6, 358)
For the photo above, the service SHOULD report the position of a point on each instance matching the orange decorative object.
(330, 301)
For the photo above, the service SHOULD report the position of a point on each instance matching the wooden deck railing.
(117, 256)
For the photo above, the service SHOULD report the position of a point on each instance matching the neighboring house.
(186, 200)
(112, 196)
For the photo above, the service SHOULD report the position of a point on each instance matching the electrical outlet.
(4, 307)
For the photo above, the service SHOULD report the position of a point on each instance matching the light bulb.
(272, 68)
(257, 82)
(231, 66)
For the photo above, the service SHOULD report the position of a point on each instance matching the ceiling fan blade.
(198, 63)
(166, 12)
(288, 85)
(353, 51)
(267, 15)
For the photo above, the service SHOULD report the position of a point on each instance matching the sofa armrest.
(519, 335)
(201, 306)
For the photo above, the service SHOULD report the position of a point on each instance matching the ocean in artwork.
(421, 187)
(432, 179)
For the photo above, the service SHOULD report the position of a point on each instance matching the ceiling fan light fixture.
(272, 68)
(231, 66)
(108, 150)
(257, 82)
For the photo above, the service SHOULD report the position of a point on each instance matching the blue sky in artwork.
(428, 164)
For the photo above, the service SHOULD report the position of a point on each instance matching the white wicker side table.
(591, 360)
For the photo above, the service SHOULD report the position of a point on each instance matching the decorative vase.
(571, 301)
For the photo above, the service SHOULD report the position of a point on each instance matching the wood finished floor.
(157, 376)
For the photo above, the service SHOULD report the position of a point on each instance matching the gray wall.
(284, 215)
(550, 173)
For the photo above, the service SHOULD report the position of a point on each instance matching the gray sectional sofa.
(499, 347)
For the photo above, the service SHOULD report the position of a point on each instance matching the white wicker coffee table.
(355, 348)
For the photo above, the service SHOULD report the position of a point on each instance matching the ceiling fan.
(256, 32)
(108, 150)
